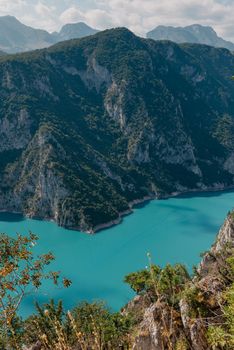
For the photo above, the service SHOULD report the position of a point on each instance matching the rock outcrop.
(159, 328)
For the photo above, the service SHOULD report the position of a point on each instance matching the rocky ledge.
(161, 327)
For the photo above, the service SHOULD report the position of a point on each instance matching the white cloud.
(11, 5)
(138, 15)
(43, 10)
(144, 15)
(71, 15)
(99, 18)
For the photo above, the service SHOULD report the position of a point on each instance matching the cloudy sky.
(138, 15)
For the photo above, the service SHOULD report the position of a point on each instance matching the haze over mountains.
(74, 31)
(195, 33)
(17, 37)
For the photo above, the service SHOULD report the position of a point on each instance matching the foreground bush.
(88, 326)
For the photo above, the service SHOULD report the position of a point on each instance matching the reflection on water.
(9, 217)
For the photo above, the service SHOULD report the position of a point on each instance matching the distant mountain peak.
(198, 25)
(9, 17)
(76, 30)
(11, 20)
(76, 24)
(199, 29)
(194, 33)
(18, 37)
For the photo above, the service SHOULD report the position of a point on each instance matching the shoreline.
(146, 199)
(132, 205)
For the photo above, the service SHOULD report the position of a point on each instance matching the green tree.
(20, 271)
(168, 282)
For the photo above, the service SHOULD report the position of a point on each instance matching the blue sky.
(138, 15)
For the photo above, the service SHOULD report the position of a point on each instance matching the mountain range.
(195, 33)
(17, 37)
(91, 126)
(74, 31)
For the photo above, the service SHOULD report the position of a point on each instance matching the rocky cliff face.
(91, 125)
(161, 328)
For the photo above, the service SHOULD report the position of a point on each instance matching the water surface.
(173, 230)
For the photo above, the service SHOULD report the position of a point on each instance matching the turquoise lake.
(172, 230)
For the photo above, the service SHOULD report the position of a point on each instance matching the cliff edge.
(199, 319)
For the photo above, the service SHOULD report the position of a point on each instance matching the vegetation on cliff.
(89, 125)
(172, 310)
(182, 312)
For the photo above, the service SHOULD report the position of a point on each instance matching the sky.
(140, 16)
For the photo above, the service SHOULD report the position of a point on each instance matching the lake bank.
(173, 230)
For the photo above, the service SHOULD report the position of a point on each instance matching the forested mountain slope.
(88, 126)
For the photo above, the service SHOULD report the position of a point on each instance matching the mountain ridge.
(74, 31)
(17, 37)
(99, 126)
(194, 33)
